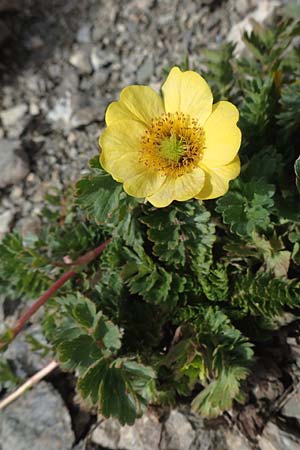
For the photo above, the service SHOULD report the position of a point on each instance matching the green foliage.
(8, 379)
(23, 270)
(247, 207)
(213, 353)
(174, 304)
(86, 340)
(219, 71)
(264, 295)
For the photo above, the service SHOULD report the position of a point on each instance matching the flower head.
(177, 147)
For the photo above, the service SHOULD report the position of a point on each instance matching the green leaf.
(8, 379)
(115, 400)
(99, 195)
(107, 333)
(88, 384)
(84, 312)
(79, 353)
(247, 207)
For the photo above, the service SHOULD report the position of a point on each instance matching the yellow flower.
(172, 148)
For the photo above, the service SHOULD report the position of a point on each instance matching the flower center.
(173, 144)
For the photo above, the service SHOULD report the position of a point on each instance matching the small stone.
(101, 58)
(38, 420)
(16, 193)
(236, 441)
(34, 109)
(62, 111)
(26, 361)
(29, 226)
(6, 219)
(85, 116)
(11, 116)
(178, 432)
(273, 438)
(145, 434)
(84, 34)
(100, 77)
(81, 60)
(292, 407)
(107, 434)
(145, 71)
(13, 162)
(242, 7)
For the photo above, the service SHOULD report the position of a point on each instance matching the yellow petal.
(120, 144)
(222, 136)
(217, 179)
(139, 103)
(187, 92)
(144, 183)
(182, 188)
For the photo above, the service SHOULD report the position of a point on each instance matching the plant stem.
(28, 384)
(82, 260)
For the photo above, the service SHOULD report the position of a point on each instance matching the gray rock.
(84, 34)
(26, 361)
(178, 433)
(107, 433)
(80, 59)
(13, 162)
(235, 441)
(10, 117)
(101, 58)
(38, 420)
(145, 71)
(145, 434)
(261, 14)
(85, 116)
(6, 219)
(274, 438)
(61, 112)
(29, 226)
(292, 407)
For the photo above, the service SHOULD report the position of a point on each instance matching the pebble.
(80, 59)
(13, 162)
(11, 116)
(6, 219)
(292, 407)
(84, 34)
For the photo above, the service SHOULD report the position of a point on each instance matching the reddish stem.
(84, 259)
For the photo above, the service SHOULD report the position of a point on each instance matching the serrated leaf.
(84, 312)
(107, 333)
(89, 382)
(79, 353)
(115, 400)
(99, 195)
(247, 207)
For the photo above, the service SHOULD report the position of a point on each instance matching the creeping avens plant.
(167, 267)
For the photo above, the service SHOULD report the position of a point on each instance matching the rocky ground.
(61, 63)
